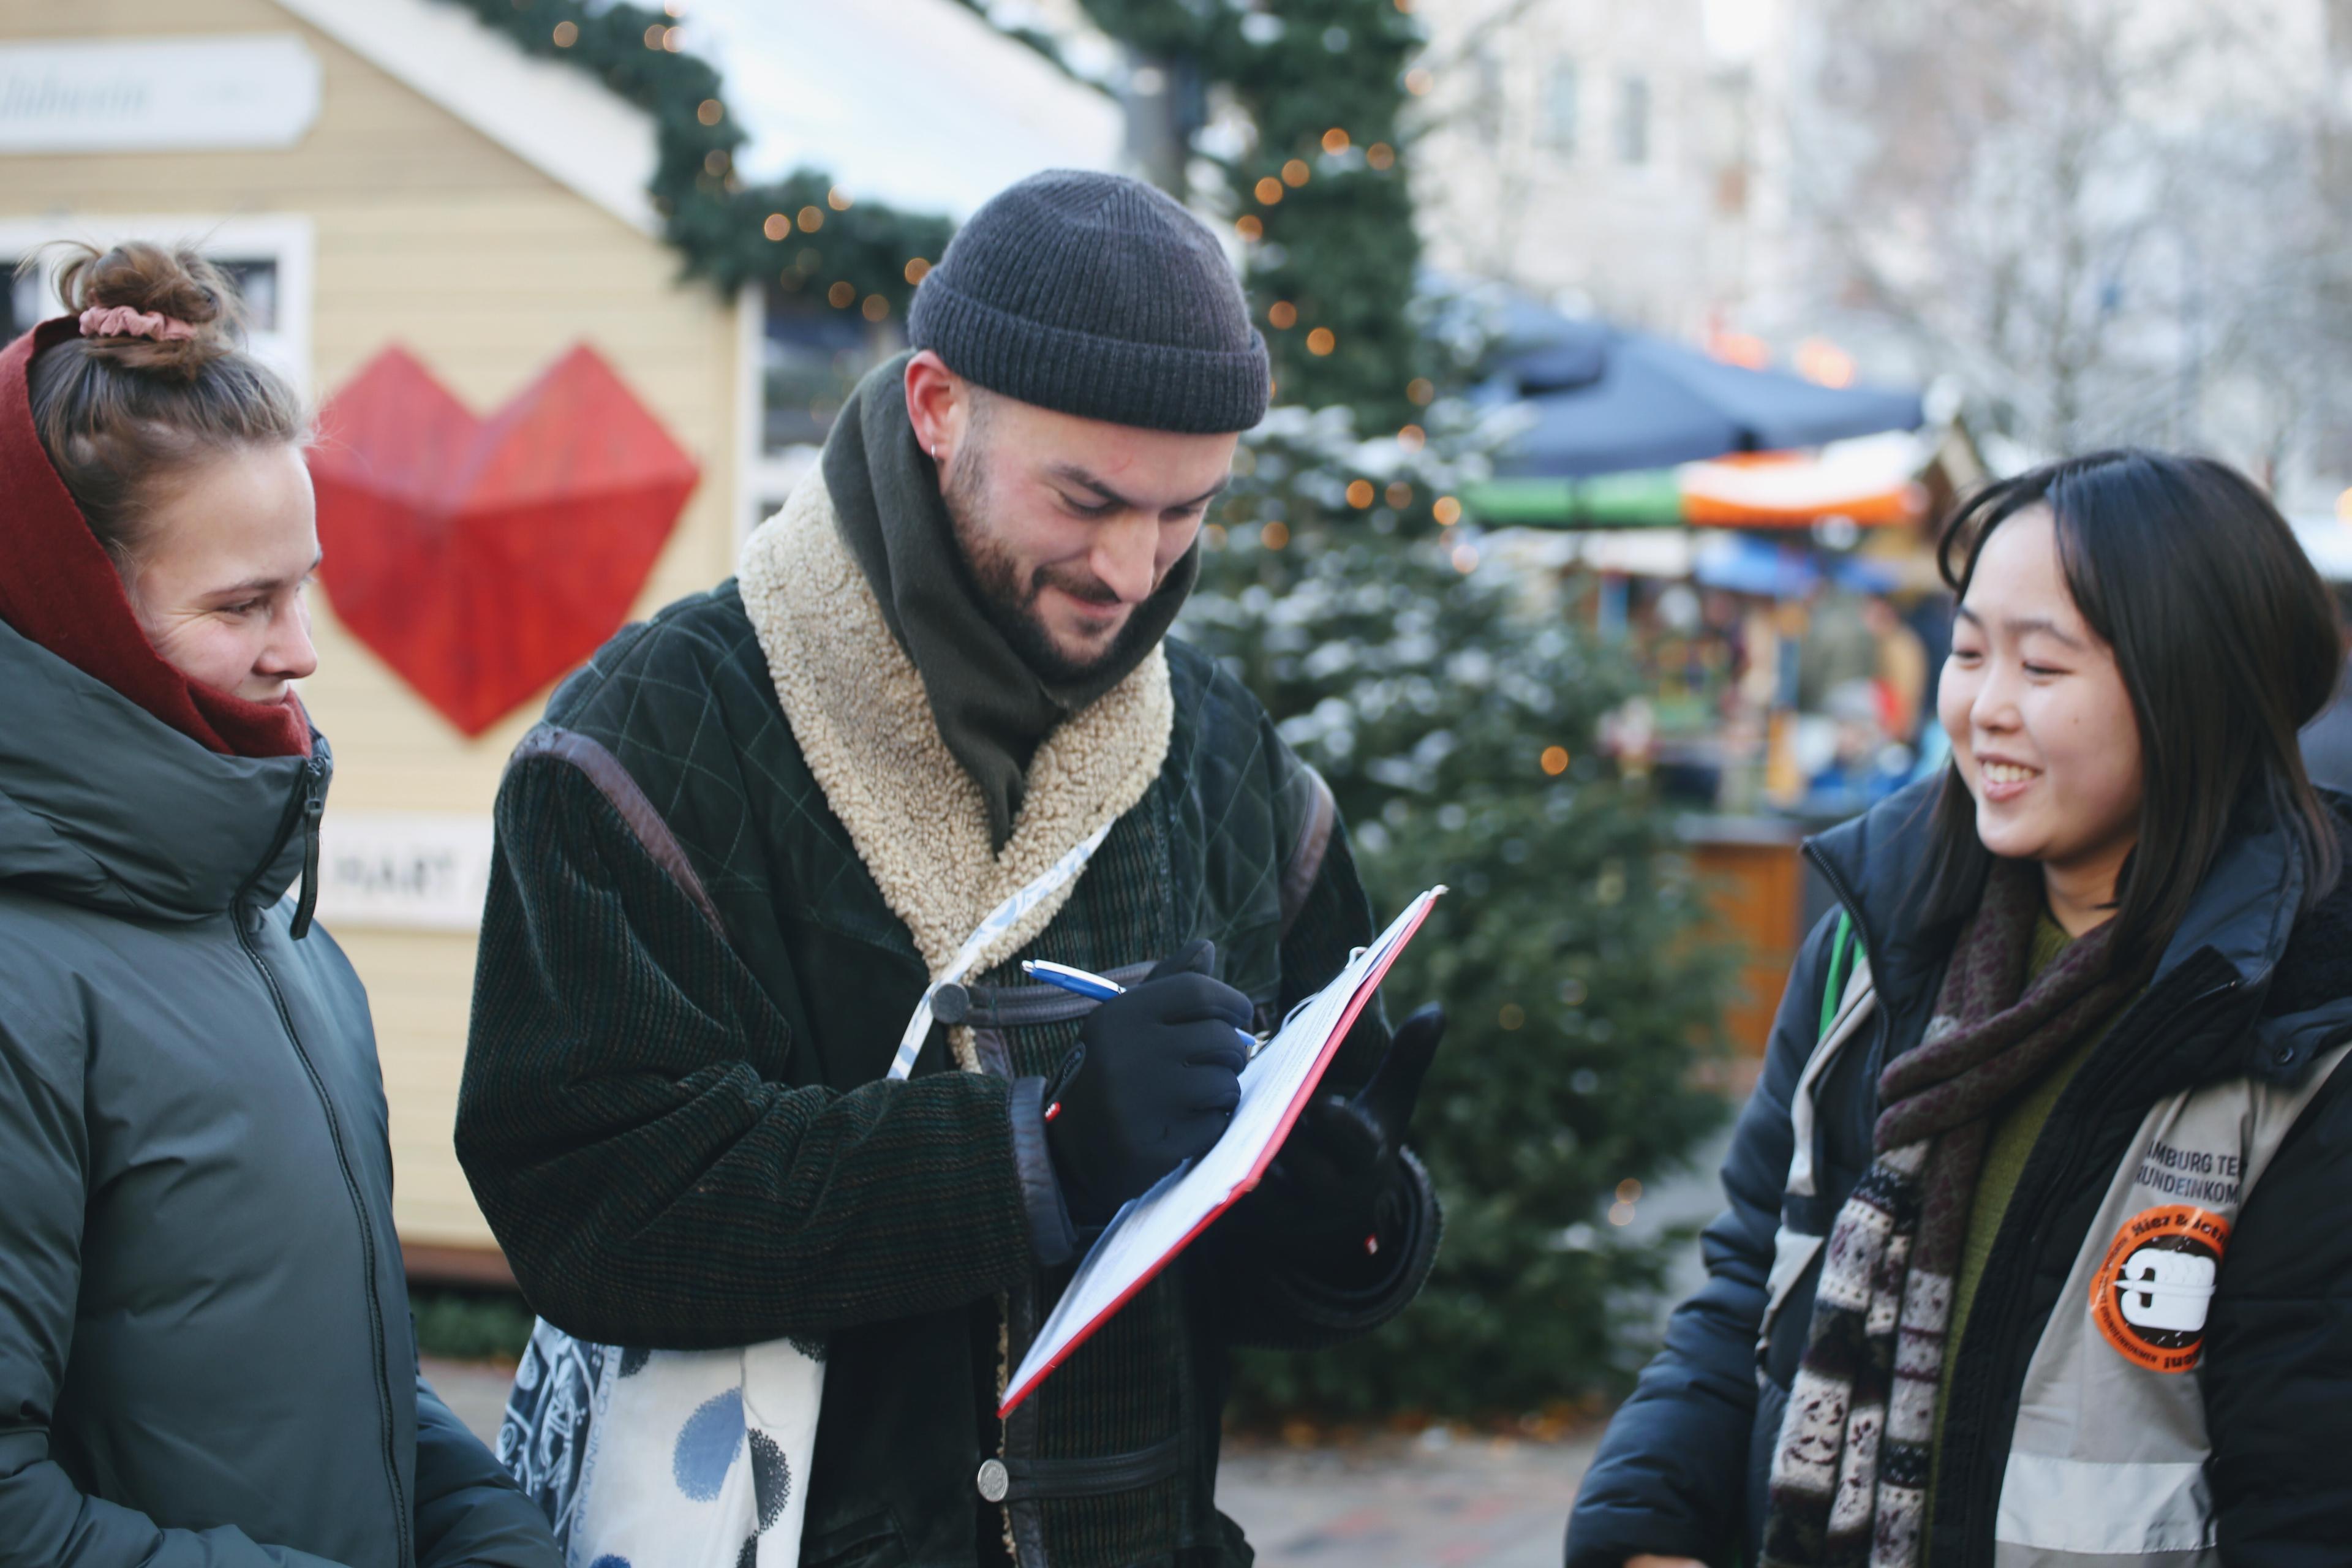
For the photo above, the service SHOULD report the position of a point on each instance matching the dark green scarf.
(993, 711)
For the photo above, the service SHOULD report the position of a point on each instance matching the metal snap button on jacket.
(995, 1481)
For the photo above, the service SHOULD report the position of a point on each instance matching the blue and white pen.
(1086, 982)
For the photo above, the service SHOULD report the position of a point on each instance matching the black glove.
(1153, 1083)
(1338, 1185)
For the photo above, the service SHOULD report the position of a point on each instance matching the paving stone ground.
(1435, 1500)
(1438, 1500)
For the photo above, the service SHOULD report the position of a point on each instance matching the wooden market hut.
(444, 225)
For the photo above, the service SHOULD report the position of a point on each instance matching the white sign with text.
(412, 870)
(117, 95)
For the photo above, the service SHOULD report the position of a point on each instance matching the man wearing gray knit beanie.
(857, 784)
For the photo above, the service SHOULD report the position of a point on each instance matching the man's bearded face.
(1070, 525)
(1010, 588)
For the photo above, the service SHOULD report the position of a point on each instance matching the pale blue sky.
(912, 101)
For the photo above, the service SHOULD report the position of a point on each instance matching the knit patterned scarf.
(1849, 1475)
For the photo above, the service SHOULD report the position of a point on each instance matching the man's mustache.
(1079, 585)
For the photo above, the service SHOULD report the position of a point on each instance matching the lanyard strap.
(1002, 918)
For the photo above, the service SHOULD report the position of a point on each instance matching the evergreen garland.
(800, 232)
(1332, 255)
(1320, 196)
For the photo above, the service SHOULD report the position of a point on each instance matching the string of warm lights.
(803, 233)
(1320, 198)
(1320, 195)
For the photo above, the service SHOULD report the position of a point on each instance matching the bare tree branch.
(2110, 217)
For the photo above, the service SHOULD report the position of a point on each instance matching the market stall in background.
(1787, 611)
(1786, 606)
(1761, 543)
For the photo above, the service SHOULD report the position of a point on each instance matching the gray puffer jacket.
(206, 1355)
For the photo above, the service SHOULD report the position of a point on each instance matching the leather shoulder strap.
(1306, 861)
(622, 792)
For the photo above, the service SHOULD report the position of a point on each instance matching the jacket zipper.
(306, 904)
(309, 808)
(1966, 1479)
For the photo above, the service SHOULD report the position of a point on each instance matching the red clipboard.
(1064, 1337)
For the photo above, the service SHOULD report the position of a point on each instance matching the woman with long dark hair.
(2036, 1251)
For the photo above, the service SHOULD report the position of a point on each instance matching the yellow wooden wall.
(432, 236)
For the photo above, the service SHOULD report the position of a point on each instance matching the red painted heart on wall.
(483, 558)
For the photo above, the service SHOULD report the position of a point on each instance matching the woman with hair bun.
(2036, 1254)
(205, 1354)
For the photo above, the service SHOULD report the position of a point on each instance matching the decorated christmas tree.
(1453, 707)
(1455, 714)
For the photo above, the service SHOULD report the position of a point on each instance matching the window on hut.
(1633, 121)
(1563, 106)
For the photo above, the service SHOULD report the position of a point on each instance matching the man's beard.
(1009, 601)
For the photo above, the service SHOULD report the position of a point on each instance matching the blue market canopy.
(1743, 564)
(1606, 399)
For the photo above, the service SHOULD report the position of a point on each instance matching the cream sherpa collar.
(858, 707)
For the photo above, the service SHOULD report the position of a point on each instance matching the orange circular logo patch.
(2156, 1285)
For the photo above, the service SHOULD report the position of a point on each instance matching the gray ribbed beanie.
(1098, 296)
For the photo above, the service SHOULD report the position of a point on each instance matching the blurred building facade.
(2099, 223)
(2105, 223)
(1593, 152)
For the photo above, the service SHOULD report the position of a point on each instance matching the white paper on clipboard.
(1155, 1228)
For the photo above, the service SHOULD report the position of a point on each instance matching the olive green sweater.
(2015, 1130)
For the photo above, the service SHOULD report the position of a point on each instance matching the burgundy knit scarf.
(58, 589)
(1849, 1475)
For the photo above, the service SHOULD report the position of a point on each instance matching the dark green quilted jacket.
(675, 1117)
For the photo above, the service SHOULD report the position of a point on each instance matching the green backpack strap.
(1844, 942)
